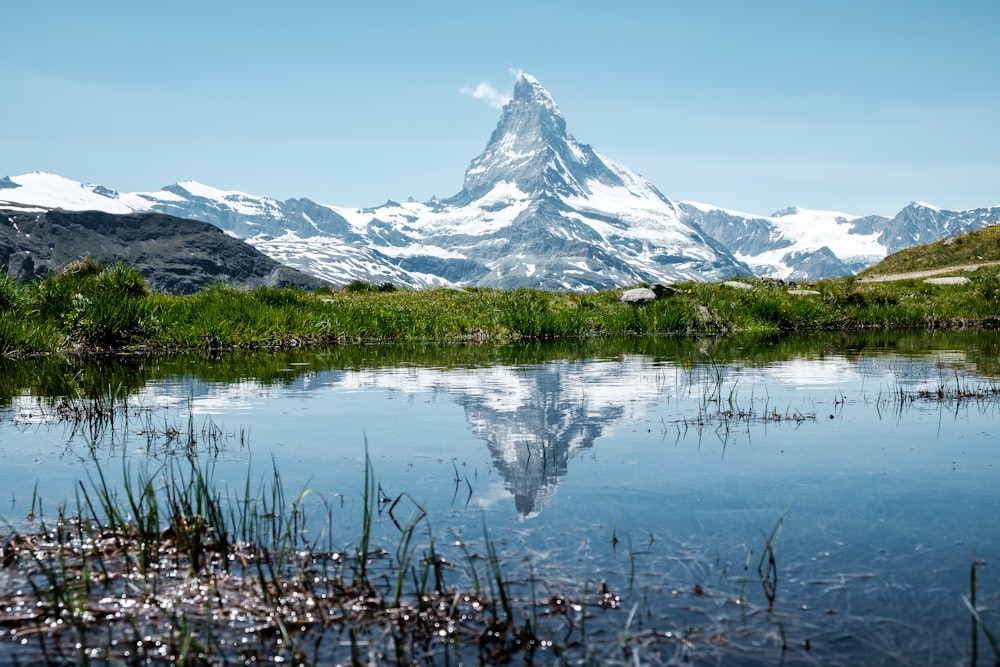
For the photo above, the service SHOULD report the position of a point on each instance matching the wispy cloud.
(487, 93)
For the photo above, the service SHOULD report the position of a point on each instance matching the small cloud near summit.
(487, 93)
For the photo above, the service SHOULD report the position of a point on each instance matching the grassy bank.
(93, 308)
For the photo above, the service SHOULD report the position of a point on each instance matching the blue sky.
(854, 106)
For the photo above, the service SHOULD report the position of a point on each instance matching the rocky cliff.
(172, 254)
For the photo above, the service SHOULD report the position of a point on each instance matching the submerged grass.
(91, 308)
(165, 565)
(174, 571)
(977, 621)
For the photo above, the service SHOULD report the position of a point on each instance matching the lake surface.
(864, 468)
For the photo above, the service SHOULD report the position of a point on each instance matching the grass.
(89, 308)
(163, 565)
(172, 570)
(950, 392)
(977, 621)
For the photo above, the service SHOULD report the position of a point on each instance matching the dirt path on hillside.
(923, 274)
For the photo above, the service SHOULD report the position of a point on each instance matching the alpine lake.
(831, 499)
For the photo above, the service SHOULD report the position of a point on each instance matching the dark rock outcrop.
(172, 254)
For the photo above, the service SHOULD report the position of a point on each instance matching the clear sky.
(857, 106)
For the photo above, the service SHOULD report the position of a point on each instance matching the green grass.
(88, 308)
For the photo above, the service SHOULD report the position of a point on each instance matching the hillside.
(172, 254)
(978, 247)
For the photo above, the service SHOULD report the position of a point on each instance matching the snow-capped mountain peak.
(208, 192)
(531, 148)
(233, 201)
(528, 86)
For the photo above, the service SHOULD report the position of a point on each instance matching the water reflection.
(533, 419)
(531, 443)
(58, 376)
(534, 406)
(656, 465)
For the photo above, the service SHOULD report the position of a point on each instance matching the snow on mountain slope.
(794, 243)
(52, 191)
(831, 228)
(537, 209)
(329, 258)
(497, 209)
(240, 203)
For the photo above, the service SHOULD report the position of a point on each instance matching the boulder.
(638, 295)
(641, 295)
(663, 291)
(947, 280)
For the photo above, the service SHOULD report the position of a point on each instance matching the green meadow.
(90, 308)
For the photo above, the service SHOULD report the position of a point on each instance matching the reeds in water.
(169, 568)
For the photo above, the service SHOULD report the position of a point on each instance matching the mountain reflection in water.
(535, 406)
(534, 419)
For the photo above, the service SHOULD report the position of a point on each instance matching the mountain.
(975, 248)
(172, 254)
(794, 243)
(799, 244)
(537, 209)
(922, 223)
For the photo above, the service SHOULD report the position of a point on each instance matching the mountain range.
(537, 209)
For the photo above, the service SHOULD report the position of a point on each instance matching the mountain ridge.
(174, 255)
(537, 209)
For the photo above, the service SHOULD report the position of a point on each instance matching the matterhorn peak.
(527, 90)
(531, 148)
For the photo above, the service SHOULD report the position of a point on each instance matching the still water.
(864, 470)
